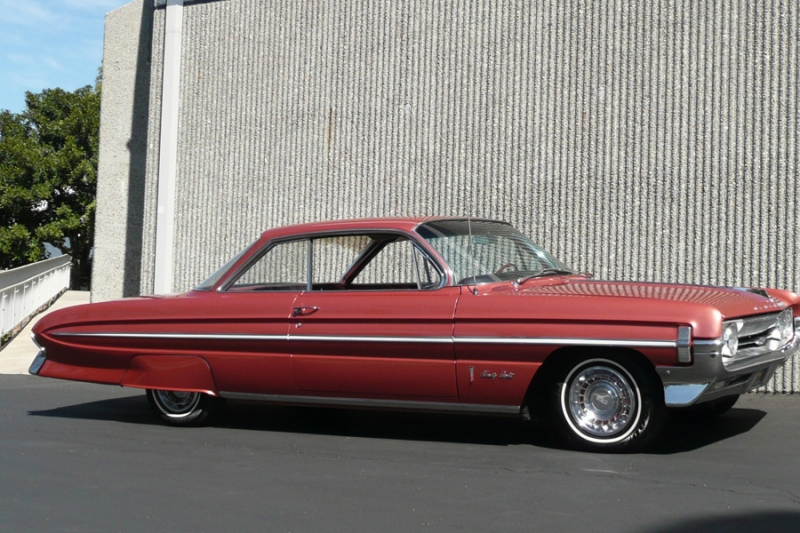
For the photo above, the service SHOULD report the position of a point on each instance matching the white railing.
(25, 290)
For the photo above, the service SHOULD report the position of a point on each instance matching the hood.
(729, 302)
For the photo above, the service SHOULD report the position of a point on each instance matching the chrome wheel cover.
(601, 402)
(176, 404)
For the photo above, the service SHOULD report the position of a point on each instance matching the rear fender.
(186, 373)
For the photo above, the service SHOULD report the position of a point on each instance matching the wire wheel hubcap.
(176, 404)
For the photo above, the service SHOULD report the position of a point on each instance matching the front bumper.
(708, 378)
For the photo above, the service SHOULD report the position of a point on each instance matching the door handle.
(304, 311)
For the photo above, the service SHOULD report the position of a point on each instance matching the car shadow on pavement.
(681, 434)
(755, 522)
(684, 432)
(130, 409)
(496, 431)
(253, 416)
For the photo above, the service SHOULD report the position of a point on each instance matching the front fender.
(186, 373)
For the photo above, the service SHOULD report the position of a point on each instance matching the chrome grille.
(762, 334)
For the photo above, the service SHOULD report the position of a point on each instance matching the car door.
(253, 310)
(384, 333)
(493, 367)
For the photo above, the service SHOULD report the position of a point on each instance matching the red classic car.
(439, 314)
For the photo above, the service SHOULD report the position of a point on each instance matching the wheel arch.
(186, 373)
(568, 356)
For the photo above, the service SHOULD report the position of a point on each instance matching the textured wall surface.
(654, 140)
(123, 148)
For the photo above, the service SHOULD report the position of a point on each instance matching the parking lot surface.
(82, 457)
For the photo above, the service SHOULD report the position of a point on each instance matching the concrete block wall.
(654, 141)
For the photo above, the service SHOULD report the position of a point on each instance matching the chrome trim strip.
(347, 338)
(375, 403)
(685, 344)
(708, 342)
(567, 342)
(199, 336)
(706, 347)
(33, 339)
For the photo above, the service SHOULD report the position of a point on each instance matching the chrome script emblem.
(492, 375)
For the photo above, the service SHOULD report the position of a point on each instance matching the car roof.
(407, 224)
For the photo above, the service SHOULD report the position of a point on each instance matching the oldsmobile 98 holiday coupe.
(438, 314)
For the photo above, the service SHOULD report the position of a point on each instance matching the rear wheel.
(179, 408)
(607, 404)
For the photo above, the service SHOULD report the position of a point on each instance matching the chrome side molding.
(633, 343)
(400, 405)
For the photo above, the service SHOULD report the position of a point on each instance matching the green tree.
(48, 178)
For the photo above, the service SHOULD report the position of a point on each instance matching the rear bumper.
(44, 367)
(39, 360)
(708, 378)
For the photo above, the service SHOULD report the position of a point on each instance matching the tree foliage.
(48, 178)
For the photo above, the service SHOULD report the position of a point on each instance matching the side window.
(333, 257)
(399, 265)
(281, 268)
(428, 275)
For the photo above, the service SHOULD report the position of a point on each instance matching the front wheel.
(178, 408)
(604, 404)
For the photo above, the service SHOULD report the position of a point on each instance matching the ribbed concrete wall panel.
(153, 146)
(654, 140)
(123, 155)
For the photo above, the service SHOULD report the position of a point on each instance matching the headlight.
(786, 325)
(730, 338)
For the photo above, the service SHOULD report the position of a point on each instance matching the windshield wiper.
(545, 272)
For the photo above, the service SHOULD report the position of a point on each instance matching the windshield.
(212, 280)
(495, 251)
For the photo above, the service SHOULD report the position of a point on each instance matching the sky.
(46, 44)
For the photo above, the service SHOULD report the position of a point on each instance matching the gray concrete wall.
(654, 140)
(124, 113)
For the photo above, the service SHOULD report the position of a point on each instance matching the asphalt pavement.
(82, 457)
